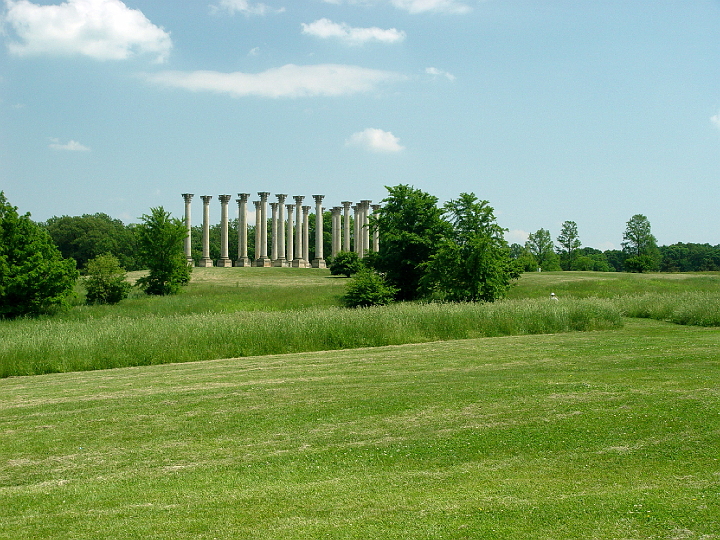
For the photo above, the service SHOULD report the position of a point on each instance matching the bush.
(368, 288)
(345, 263)
(34, 277)
(106, 280)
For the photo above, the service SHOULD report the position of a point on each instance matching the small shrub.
(368, 288)
(345, 263)
(106, 280)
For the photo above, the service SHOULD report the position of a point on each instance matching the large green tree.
(161, 240)
(473, 262)
(90, 235)
(34, 277)
(640, 245)
(411, 227)
(568, 243)
(541, 246)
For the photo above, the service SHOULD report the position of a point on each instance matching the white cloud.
(715, 120)
(71, 146)
(439, 73)
(325, 28)
(101, 29)
(286, 81)
(245, 7)
(415, 6)
(375, 140)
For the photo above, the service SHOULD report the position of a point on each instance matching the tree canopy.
(34, 277)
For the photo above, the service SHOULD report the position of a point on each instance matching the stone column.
(306, 236)
(335, 212)
(258, 228)
(243, 259)
(357, 230)
(289, 253)
(264, 260)
(206, 260)
(346, 226)
(376, 230)
(188, 239)
(298, 261)
(319, 260)
(274, 233)
(365, 223)
(224, 260)
(280, 261)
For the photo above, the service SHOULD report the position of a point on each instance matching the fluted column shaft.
(346, 225)
(306, 234)
(274, 245)
(242, 259)
(336, 227)
(188, 239)
(224, 258)
(206, 260)
(357, 246)
(319, 260)
(289, 254)
(298, 261)
(258, 229)
(281, 230)
(264, 260)
(366, 225)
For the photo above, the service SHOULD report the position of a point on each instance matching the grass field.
(610, 434)
(597, 434)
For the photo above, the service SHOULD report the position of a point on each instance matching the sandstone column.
(258, 228)
(206, 260)
(289, 253)
(280, 261)
(306, 236)
(346, 226)
(335, 212)
(376, 230)
(224, 260)
(243, 259)
(298, 261)
(274, 233)
(188, 239)
(319, 260)
(264, 259)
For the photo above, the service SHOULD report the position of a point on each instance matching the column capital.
(290, 208)
(336, 209)
(206, 198)
(243, 197)
(298, 199)
(365, 203)
(274, 205)
(376, 207)
(347, 204)
(187, 196)
(263, 195)
(224, 198)
(257, 204)
(281, 197)
(305, 209)
(318, 198)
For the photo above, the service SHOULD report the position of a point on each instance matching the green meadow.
(597, 416)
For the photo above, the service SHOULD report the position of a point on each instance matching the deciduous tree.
(161, 240)
(541, 246)
(34, 277)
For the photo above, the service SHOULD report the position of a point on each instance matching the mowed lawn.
(609, 434)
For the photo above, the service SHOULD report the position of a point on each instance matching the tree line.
(453, 252)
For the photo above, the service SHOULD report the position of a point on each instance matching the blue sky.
(590, 111)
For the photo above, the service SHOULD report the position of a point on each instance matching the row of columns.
(290, 244)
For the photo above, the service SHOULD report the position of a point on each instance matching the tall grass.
(46, 346)
(691, 308)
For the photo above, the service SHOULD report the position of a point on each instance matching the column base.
(299, 263)
(319, 263)
(263, 262)
(279, 263)
(206, 263)
(243, 261)
(224, 263)
(190, 261)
